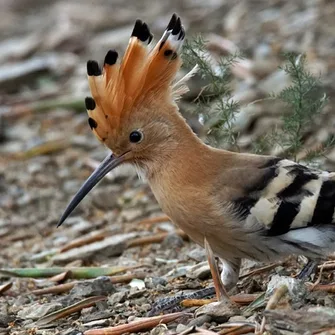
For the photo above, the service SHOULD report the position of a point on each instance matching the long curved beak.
(107, 165)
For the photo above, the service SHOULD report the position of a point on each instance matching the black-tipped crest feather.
(141, 31)
(177, 28)
(111, 57)
(92, 123)
(93, 68)
(89, 103)
(172, 22)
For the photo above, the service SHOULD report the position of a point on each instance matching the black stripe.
(295, 188)
(304, 247)
(161, 45)
(285, 215)
(271, 162)
(324, 209)
(269, 174)
(243, 206)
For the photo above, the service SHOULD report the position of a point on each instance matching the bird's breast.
(196, 214)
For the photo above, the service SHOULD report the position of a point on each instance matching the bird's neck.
(185, 161)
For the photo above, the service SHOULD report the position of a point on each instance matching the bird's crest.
(144, 72)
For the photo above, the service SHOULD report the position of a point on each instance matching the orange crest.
(143, 73)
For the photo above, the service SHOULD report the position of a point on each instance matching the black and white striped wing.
(292, 197)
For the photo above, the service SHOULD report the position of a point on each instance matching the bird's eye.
(135, 136)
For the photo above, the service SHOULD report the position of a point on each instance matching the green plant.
(215, 106)
(304, 100)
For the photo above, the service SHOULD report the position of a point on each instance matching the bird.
(241, 205)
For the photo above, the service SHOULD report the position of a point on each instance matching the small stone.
(131, 318)
(160, 330)
(297, 289)
(180, 328)
(329, 301)
(117, 298)
(106, 198)
(155, 282)
(103, 314)
(199, 321)
(36, 311)
(179, 271)
(5, 319)
(200, 271)
(218, 311)
(145, 307)
(96, 323)
(130, 215)
(322, 310)
(109, 247)
(136, 293)
(73, 332)
(87, 311)
(88, 288)
(198, 254)
(138, 284)
(237, 318)
(173, 241)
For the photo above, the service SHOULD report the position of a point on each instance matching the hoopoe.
(242, 205)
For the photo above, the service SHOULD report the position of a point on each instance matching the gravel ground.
(138, 255)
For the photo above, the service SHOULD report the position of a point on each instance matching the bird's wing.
(287, 196)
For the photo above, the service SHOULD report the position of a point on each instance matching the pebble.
(145, 307)
(180, 328)
(198, 254)
(129, 215)
(160, 330)
(173, 241)
(219, 312)
(96, 323)
(297, 288)
(36, 310)
(136, 293)
(200, 271)
(99, 286)
(155, 282)
(199, 321)
(109, 247)
(117, 297)
(106, 198)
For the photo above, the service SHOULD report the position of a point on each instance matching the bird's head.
(132, 109)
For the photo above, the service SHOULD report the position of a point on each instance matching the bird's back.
(288, 208)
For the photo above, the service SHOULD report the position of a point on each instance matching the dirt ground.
(47, 150)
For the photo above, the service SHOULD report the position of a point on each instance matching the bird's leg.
(228, 279)
(230, 272)
(221, 293)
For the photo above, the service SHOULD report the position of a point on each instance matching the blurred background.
(47, 149)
